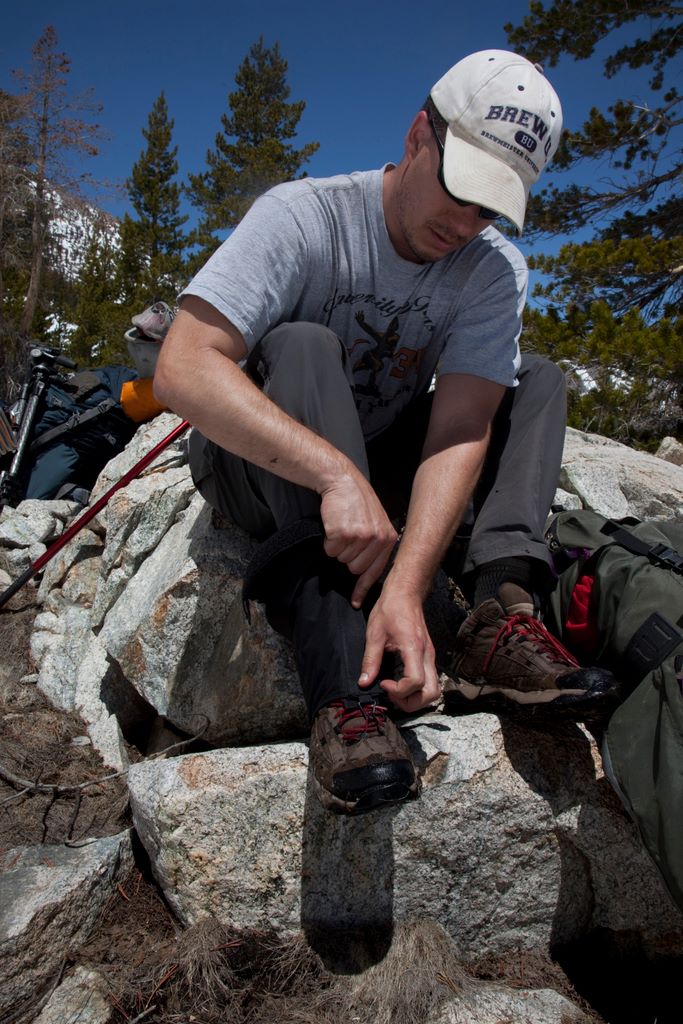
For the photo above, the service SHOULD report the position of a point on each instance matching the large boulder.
(517, 842)
(619, 481)
(159, 627)
(670, 450)
(179, 634)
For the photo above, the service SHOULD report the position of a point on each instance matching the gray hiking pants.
(303, 368)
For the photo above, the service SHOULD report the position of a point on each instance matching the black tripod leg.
(11, 490)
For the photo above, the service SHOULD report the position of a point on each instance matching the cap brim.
(478, 177)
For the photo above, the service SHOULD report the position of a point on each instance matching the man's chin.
(434, 247)
(442, 246)
(423, 253)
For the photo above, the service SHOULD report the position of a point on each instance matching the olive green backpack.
(618, 604)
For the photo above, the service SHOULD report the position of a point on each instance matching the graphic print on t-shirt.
(383, 370)
(374, 359)
(383, 360)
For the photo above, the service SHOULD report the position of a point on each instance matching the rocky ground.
(55, 790)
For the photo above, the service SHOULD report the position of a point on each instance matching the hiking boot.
(360, 760)
(506, 658)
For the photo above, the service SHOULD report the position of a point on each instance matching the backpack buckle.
(660, 554)
(654, 640)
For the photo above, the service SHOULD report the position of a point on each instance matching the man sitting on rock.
(304, 354)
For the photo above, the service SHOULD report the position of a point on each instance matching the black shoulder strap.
(659, 554)
(73, 422)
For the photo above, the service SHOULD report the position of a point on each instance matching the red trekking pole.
(90, 513)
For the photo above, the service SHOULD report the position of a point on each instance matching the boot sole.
(373, 799)
(579, 705)
(474, 691)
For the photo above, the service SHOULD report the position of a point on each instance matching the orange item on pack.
(138, 401)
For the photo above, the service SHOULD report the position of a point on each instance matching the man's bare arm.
(452, 459)
(198, 378)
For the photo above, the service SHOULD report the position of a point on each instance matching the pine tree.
(262, 122)
(101, 318)
(613, 302)
(624, 374)
(153, 243)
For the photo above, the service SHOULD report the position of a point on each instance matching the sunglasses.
(484, 213)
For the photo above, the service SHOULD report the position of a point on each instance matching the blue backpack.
(81, 427)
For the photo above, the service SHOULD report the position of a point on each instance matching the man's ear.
(418, 134)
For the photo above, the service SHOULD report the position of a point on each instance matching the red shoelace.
(369, 720)
(530, 629)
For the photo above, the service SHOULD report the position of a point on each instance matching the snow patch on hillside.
(73, 223)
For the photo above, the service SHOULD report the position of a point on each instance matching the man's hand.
(397, 623)
(358, 531)
(452, 457)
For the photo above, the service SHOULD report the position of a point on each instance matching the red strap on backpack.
(581, 628)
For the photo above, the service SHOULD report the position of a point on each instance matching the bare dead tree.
(54, 134)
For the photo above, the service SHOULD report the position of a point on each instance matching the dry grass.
(216, 974)
(420, 971)
(213, 971)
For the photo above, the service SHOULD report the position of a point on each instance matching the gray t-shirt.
(319, 250)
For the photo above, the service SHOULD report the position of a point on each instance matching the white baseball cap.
(504, 125)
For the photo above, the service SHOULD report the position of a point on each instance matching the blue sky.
(363, 68)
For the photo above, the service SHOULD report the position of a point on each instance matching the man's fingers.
(367, 560)
(360, 552)
(413, 677)
(419, 685)
(409, 697)
(372, 659)
(371, 556)
(368, 578)
(345, 551)
(398, 625)
(356, 525)
(414, 701)
(377, 641)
